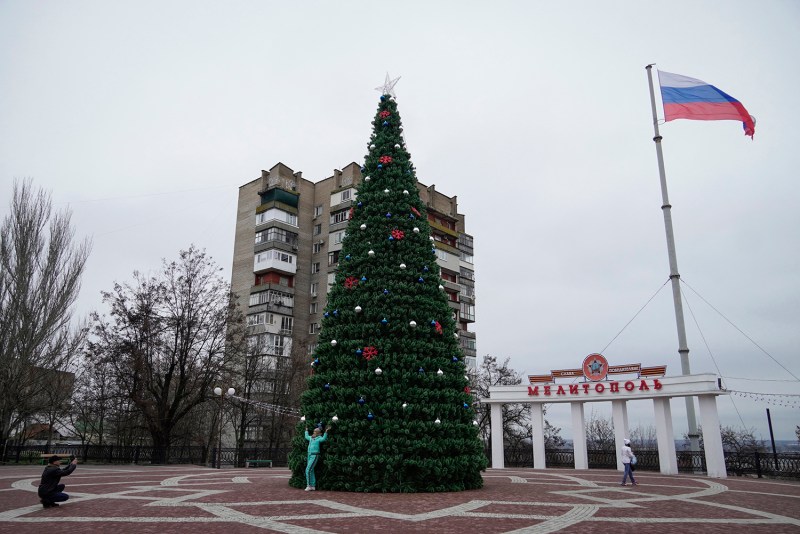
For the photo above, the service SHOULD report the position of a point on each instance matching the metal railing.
(758, 464)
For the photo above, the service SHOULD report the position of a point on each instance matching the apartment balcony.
(274, 264)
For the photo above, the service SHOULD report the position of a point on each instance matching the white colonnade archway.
(705, 387)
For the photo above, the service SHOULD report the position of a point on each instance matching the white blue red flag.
(689, 98)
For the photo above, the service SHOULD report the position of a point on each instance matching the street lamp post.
(219, 393)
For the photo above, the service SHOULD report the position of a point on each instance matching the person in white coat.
(627, 456)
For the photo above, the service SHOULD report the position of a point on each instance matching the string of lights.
(776, 399)
(281, 410)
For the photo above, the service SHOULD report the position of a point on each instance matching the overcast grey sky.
(145, 117)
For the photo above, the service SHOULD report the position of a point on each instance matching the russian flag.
(689, 98)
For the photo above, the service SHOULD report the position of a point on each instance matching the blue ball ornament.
(466, 405)
(363, 169)
(420, 280)
(370, 416)
(361, 401)
(391, 238)
(380, 166)
(358, 351)
(433, 323)
(424, 268)
(385, 291)
(388, 215)
(336, 312)
(421, 370)
(384, 321)
(347, 257)
(455, 359)
(411, 216)
(327, 387)
(386, 123)
(363, 278)
(326, 314)
(383, 97)
(359, 204)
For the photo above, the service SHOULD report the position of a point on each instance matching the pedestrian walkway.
(191, 499)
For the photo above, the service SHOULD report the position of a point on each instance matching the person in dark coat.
(51, 492)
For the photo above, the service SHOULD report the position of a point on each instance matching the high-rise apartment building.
(289, 234)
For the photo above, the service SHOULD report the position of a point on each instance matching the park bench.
(257, 463)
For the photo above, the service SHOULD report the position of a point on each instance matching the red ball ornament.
(398, 234)
(369, 353)
(350, 213)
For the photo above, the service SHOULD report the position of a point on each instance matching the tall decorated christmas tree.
(388, 376)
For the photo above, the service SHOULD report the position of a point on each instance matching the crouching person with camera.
(51, 491)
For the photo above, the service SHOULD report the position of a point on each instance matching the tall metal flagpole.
(675, 278)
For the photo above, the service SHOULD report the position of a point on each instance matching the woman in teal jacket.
(313, 454)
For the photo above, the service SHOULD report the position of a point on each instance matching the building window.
(314, 288)
(346, 194)
(315, 267)
(333, 258)
(255, 319)
(339, 216)
(318, 210)
(467, 311)
(312, 308)
(274, 278)
(317, 229)
(338, 237)
(469, 274)
(313, 328)
(276, 234)
(286, 326)
(317, 248)
(442, 255)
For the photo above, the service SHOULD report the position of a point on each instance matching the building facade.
(289, 233)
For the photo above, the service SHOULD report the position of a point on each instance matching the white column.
(496, 423)
(579, 436)
(619, 416)
(665, 436)
(712, 439)
(537, 420)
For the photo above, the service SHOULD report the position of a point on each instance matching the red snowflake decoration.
(350, 282)
(467, 390)
(415, 211)
(385, 160)
(369, 353)
(438, 327)
(398, 234)
(384, 114)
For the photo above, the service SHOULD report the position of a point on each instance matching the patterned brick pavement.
(190, 499)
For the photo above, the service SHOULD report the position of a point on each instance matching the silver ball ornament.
(333, 342)
(413, 324)
(358, 309)
(378, 371)
(371, 253)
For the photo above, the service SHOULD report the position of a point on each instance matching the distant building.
(289, 233)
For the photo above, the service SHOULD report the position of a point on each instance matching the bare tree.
(40, 274)
(516, 417)
(517, 426)
(166, 337)
(643, 437)
(734, 439)
(599, 433)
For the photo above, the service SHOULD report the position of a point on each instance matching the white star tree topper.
(388, 86)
